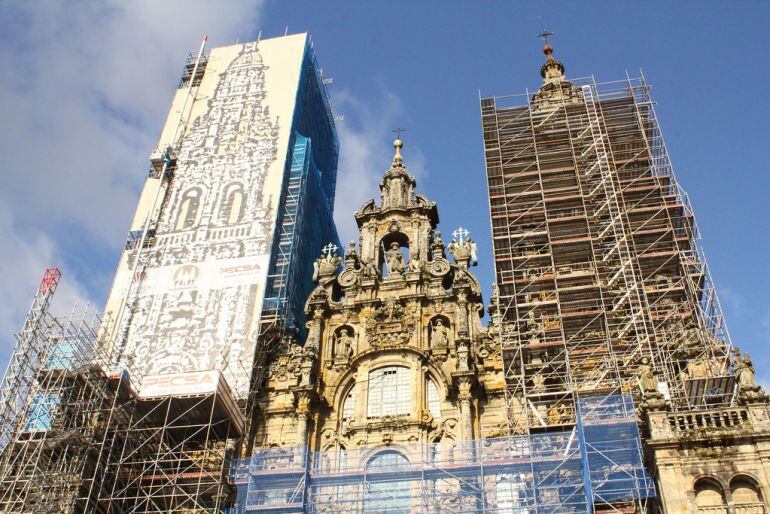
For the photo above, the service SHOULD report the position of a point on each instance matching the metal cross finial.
(329, 250)
(460, 234)
(544, 33)
(398, 131)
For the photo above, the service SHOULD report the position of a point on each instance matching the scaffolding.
(596, 257)
(58, 396)
(597, 463)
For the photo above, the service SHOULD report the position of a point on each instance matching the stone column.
(466, 410)
(303, 422)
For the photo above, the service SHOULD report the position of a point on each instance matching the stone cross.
(460, 234)
(329, 250)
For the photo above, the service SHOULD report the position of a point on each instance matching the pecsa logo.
(180, 383)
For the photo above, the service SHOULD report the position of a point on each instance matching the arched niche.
(439, 333)
(708, 493)
(745, 491)
(233, 204)
(343, 344)
(189, 208)
(393, 242)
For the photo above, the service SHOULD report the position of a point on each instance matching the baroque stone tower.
(396, 352)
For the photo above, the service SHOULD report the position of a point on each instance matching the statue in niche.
(744, 370)
(440, 335)
(394, 260)
(343, 349)
(415, 266)
(645, 376)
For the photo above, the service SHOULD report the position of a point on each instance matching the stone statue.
(394, 260)
(344, 346)
(557, 414)
(701, 367)
(351, 254)
(646, 378)
(437, 246)
(744, 370)
(440, 335)
(414, 262)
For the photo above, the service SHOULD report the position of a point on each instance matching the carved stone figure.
(557, 414)
(351, 255)
(646, 378)
(344, 346)
(394, 260)
(440, 336)
(744, 370)
(415, 264)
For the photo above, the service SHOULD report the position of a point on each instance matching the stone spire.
(552, 70)
(556, 89)
(397, 186)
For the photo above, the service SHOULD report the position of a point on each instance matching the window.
(349, 405)
(389, 392)
(708, 495)
(434, 404)
(745, 492)
(387, 495)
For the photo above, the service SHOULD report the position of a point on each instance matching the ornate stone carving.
(390, 326)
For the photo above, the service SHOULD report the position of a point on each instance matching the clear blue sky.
(418, 65)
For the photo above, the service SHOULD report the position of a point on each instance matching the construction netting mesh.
(598, 461)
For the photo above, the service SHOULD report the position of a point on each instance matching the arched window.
(387, 495)
(188, 209)
(434, 404)
(233, 204)
(349, 404)
(389, 392)
(746, 493)
(708, 495)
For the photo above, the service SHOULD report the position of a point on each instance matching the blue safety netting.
(598, 461)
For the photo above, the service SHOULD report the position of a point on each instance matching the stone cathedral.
(396, 352)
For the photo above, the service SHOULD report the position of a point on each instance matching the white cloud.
(22, 262)
(84, 91)
(365, 154)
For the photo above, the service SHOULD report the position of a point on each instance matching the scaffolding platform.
(183, 400)
(596, 463)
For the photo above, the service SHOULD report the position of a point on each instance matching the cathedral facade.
(396, 352)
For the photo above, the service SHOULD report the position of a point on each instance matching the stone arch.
(708, 492)
(745, 490)
(189, 208)
(233, 204)
(386, 244)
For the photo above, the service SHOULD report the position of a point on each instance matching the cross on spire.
(397, 131)
(544, 32)
(460, 234)
(329, 250)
